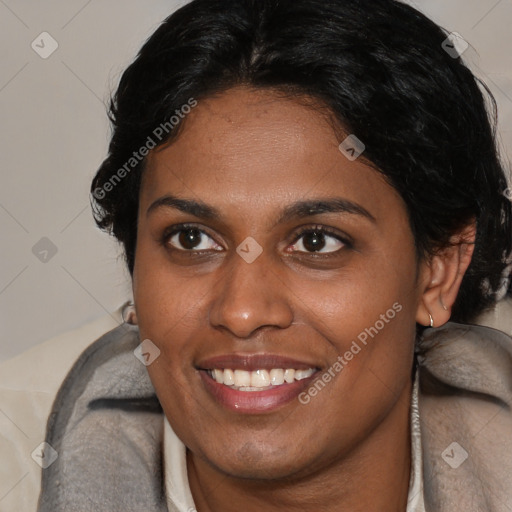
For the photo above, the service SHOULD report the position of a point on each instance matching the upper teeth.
(258, 378)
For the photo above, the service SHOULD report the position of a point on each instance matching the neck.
(373, 476)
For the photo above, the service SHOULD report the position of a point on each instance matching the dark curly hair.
(381, 69)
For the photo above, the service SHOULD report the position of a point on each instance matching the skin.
(249, 154)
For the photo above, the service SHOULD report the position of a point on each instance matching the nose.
(249, 297)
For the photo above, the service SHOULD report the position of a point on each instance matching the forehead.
(257, 147)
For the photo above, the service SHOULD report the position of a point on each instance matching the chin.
(254, 462)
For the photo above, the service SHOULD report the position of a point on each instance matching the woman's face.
(262, 248)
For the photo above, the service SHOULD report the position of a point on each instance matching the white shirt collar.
(177, 489)
(415, 500)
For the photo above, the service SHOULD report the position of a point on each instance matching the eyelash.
(170, 232)
(324, 231)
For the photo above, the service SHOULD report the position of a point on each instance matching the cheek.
(370, 327)
(356, 297)
(163, 297)
(169, 313)
(368, 316)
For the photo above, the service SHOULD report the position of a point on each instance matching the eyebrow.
(312, 207)
(299, 209)
(196, 208)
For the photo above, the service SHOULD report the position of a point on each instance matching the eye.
(317, 240)
(191, 239)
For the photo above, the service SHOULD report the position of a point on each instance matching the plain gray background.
(54, 135)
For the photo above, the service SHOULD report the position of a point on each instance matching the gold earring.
(431, 320)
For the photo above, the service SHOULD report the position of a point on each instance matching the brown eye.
(313, 241)
(189, 238)
(316, 240)
(192, 239)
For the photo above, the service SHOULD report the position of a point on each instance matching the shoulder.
(465, 405)
(28, 386)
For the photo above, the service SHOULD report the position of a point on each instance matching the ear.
(129, 314)
(441, 278)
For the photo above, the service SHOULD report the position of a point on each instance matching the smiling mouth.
(258, 380)
(255, 383)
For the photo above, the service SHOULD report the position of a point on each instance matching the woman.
(301, 187)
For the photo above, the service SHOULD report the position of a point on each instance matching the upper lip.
(252, 362)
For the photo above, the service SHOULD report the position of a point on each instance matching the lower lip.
(254, 402)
